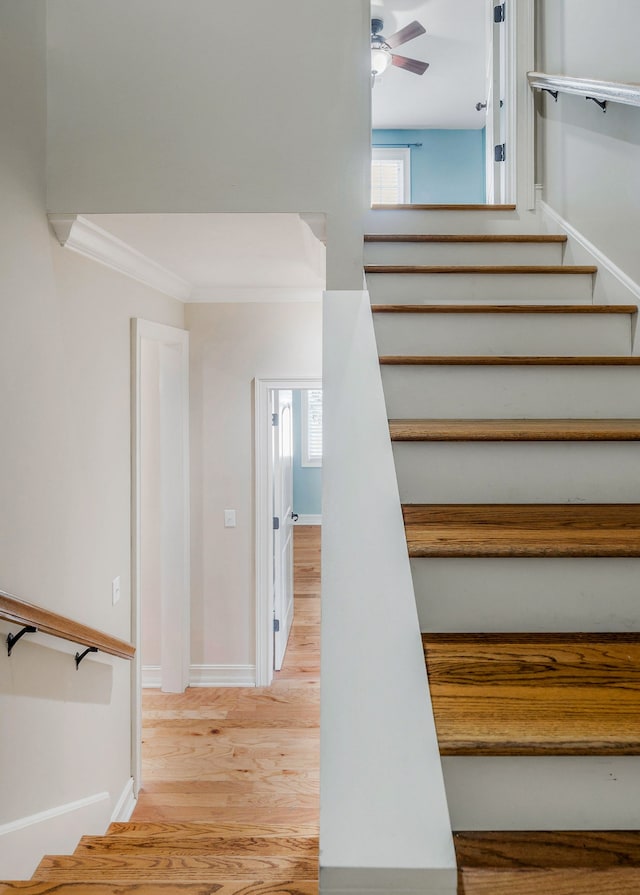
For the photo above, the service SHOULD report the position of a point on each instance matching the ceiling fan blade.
(412, 65)
(404, 35)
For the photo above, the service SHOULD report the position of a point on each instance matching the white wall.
(64, 473)
(231, 344)
(589, 160)
(189, 105)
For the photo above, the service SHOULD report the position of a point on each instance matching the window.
(312, 427)
(390, 176)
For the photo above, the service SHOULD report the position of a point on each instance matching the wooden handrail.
(602, 91)
(19, 612)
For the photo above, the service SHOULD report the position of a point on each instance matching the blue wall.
(449, 167)
(307, 480)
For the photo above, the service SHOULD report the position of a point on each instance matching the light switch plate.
(229, 518)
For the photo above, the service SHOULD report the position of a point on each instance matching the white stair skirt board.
(462, 253)
(126, 803)
(56, 830)
(503, 334)
(222, 676)
(518, 472)
(440, 221)
(356, 881)
(613, 285)
(536, 392)
(531, 793)
(465, 595)
(507, 288)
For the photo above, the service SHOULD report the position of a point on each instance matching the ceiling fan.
(381, 46)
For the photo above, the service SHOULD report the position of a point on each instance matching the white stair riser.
(561, 793)
(541, 288)
(503, 334)
(462, 253)
(438, 221)
(467, 595)
(518, 472)
(475, 392)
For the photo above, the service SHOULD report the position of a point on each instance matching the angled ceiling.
(455, 48)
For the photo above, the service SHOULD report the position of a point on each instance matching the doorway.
(160, 513)
(282, 444)
(446, 136)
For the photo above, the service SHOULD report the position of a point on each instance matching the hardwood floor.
(243, 755)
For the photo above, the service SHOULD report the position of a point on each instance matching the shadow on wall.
(40, 672)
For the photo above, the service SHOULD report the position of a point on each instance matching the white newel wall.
(384, 823)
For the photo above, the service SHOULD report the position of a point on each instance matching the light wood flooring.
(244, 755)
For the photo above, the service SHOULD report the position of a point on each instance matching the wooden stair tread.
(524, 269)
(203, 829)
(504, 309)
(220, 887)
(546, 849)
(555, 694)
(466, 360)
(194, 844)
(202, 867)
(491, 238)
(515, 430)
(522, 529)
(472, 207)
(537, 881)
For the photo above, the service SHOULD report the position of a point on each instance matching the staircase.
(190, 858)
(513, 404)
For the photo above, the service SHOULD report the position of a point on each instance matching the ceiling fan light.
(380, 60)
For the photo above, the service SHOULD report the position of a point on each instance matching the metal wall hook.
(598, 102)
(80, 656)
(12, 639)
(480, 107)
(554, 93)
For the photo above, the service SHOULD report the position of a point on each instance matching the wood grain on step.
(298, 846)
(504, 309)
(575, 881)
(489, 269)
(221, 887)
(545, 849)
(535, 694)
(467, 237)
(466, 360)
(202, 830)
(173, 867)
(522, 529)
(515, 430)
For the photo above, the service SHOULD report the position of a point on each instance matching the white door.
(496, 189)
(282, 522)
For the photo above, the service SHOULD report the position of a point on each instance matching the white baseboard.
(603, 261)
(308, 519)
(222, 676)
(151, 677)
(126, 803)
(56, 831)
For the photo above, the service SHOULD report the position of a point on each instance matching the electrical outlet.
(229, 518)
(115, 590)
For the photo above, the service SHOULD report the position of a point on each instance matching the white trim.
(263, 520)
(308, 519)
(606, 91)
(51, 813)
(77, 233)
(151, 677)
(527, 32)
(603, 261)
(167, 335)
(255, 294)
(125, 804)
(222, 676)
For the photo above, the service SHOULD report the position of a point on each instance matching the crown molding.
(81, 235)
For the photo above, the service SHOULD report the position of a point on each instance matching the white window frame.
(306, 459)
(403, 155)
